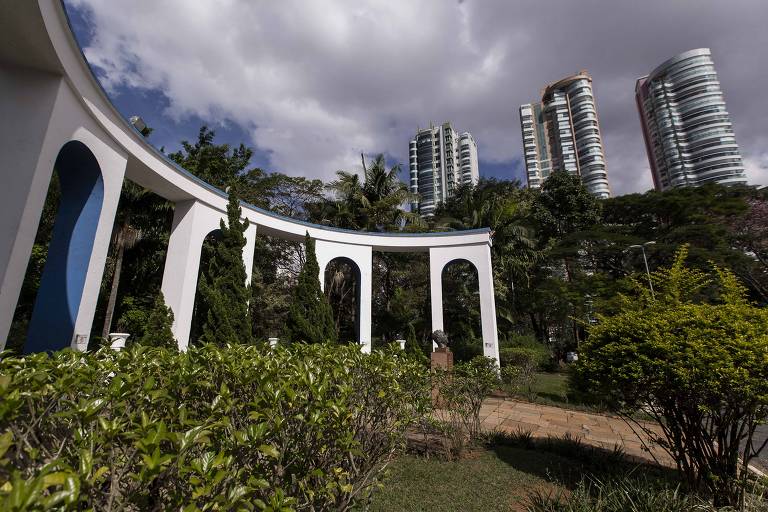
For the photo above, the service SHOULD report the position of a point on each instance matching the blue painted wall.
(61, 285)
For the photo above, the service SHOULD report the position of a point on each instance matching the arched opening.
(400, 302)
(276, 266)
(53, 286)
(342, 287)
(200, 309)
(133, 269)
(461, 309)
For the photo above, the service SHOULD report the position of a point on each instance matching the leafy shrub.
(232, 428)
(699, 370)
(518, 349)
(158, 332)
(461, 394)
(519, 379)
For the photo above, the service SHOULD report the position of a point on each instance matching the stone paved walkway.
(597, 430)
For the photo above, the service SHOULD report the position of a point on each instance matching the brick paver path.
(598, 430)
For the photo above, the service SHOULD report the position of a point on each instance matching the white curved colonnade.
(48, 100)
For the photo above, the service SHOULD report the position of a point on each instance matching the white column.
(28, 149)
(487, 303)
(364, 262)
(248, 251)
(192, 222)
(113, 166)
(362, 256)
(436, 264)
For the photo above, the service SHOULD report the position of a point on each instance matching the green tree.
(505, 208)
(564, 206)
(140, 212)
(373, 204)
(224, 290)
(412, 346)
(699, 369)
(562, 210)
(158, 330)
(217, 164)
(310, 318)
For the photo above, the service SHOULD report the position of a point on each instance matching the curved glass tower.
(688, 134)
(562, 133)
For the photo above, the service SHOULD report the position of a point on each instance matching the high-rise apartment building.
(688, 134)
(440, 160)
(562, 133)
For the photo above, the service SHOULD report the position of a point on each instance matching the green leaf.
(6, 440)
(269, 451)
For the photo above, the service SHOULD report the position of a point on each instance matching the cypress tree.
(158, 332)
(224, 291)
(310, 318)
(412, 346)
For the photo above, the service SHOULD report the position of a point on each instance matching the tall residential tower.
(688, 134)
(440, 160)
(562, 133)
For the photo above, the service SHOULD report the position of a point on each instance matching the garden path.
(598, 430)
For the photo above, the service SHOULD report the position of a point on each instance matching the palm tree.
(501, 207)
(375, 204)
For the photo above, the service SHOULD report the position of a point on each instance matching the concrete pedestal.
(442, 358)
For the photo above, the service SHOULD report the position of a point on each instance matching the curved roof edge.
(563, 82)
(149, 147)
(677, 58)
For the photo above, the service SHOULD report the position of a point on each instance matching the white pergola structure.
(54, 113)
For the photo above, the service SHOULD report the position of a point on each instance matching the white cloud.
(317, 82)
(757, 169)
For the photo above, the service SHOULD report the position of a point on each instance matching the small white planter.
(402, 344)
(273, 342)
(117, 340)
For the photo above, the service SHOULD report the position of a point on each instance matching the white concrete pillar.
(248, 251)
(113, 166)
(480, 256)
(362, 256)
(487, 302)
(192, 222)
(365, 264)
(436, 264)
(42, 114)
(91, 178)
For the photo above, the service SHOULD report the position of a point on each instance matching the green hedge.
(235, 428)
(523, 356)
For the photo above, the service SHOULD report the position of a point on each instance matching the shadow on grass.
(569, 459)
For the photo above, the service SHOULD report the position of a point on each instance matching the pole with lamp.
(645, 260)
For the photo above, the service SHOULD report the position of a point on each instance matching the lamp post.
(645, 260)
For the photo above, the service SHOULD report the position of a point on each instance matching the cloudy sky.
(310, 84)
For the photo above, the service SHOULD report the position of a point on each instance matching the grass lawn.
(487, 480)
(552, 385)
(552, 389)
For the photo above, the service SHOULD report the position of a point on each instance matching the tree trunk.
(115, 284)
